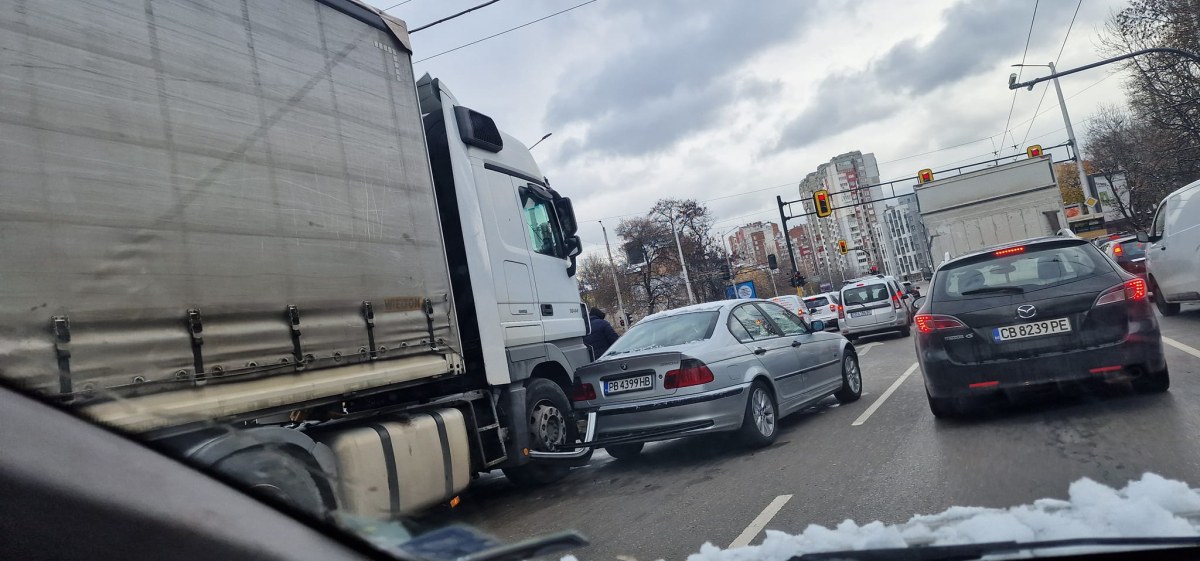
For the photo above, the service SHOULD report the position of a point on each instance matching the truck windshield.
(666, 332)
(1030, 269)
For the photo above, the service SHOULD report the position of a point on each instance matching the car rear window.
(865, 294)
(1017, 272)
(817, 302)
(1131, 249)
(666, 332)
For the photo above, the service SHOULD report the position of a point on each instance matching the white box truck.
(990, 206)
(241, 229)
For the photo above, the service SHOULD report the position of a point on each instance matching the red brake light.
(896, 301)
(833, 307)
(583, 392)
(841, 312)
(1009, 251)
(1134, 289)
(928, 323)
(1117, 250)
(691, 372)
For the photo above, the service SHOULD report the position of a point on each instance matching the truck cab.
(511, 245)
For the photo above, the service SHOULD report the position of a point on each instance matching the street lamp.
(540, 141)
(1062, 104)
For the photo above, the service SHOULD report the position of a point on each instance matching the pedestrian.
(602, 336)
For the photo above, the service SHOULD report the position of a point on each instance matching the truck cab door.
(550, 253)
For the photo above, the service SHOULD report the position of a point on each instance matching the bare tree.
(654, 280)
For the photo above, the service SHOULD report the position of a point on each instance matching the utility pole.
(613, 267)
(682, 264)
(1062, 104)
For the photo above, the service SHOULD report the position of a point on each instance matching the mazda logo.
(1027, 311)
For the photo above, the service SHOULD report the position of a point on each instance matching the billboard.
(741, 290)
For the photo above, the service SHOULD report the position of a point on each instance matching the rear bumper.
(661, 419)
(895, 325)
(1138, 354)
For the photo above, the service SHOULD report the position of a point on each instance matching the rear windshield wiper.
(986, 290)
(976, 551)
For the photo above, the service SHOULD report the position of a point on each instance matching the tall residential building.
(753, 242)
(906, 246)
(803, 246)
(852, 180)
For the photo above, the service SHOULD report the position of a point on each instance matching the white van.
(1173, 256)
(872, 305)
(792, 303)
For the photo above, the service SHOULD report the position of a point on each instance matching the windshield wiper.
(986, 290)
(967, 552)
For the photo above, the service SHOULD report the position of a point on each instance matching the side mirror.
(1143, 237)
(817, 325)
(566, 216)
(919, 302)
(574, 248)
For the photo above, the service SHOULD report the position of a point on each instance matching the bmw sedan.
(1040, 312)
(730, 366)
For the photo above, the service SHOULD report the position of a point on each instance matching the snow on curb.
(1150, 506)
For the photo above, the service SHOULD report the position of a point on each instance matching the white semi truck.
(242, 230)
(990, 206)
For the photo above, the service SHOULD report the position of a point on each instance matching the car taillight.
(1129, 290)
(583, 392)
(841, 312)
(928, 323)
(833, 307)
(691, 372)
(1117, 250)
(896, 301)
(1009, 251)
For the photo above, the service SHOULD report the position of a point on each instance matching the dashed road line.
(1185, 348)
(760, 521)
(886, 394)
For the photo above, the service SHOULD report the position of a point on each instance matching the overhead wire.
(1013, 105)
(1058, 57)
(509, 30)
(396, 5)
(450, 17)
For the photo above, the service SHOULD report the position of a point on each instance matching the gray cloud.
(976, 37)
(676, 77)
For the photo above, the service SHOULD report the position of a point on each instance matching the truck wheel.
(277, 476)
(551, 424)
(1165, 308)
(624, 451)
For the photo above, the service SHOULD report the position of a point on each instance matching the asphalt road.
(898, 462)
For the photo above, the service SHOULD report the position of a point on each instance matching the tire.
(1153, 382)
(549, 418)
(277, 476)
(760, 426)
(943, 407)
(625, 451)
(906, 332)
(1165, 308)
(851, 380)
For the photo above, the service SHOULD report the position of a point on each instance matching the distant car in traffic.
(874, 304)
(1173, 253)
(791, 303)
(734, 365)
(824, 307)
(1128, 253)
(1040, 312)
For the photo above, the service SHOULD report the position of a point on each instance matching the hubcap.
(853, 376)
(548, 426)
(763, 412)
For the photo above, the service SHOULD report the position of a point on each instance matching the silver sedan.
(735, 365)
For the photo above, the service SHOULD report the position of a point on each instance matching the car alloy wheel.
(763, 411)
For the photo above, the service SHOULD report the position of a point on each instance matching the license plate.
(863, 313)
(1032, 329)
(624, 385)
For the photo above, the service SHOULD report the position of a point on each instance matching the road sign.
(1091, 201)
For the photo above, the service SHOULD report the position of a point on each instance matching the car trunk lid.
(621, 379)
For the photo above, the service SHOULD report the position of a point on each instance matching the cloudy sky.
(732, 102)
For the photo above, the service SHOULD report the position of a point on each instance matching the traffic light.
(1034, 151)
(821, 203)
(842, 247)
(725, 272)
(797, 280)
(925, 176)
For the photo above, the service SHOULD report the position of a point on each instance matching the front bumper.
(1138, 354)
(671, 417)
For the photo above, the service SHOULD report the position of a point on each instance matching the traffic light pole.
(1062, 103)
(783, 217)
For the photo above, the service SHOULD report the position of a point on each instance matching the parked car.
(1042, 312)
(734, 365)
(874, 304)
(1128, 253)
(824, 307)
(1173, 253)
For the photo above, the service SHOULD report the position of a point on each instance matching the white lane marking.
(760, 521)
(1189, 350)
(863, 349)
(886, 394)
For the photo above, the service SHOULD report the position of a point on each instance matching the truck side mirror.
(574, 248)
(566, 216)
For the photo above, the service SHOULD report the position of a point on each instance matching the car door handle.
(796, 343)
(760, 351)
(547, 309)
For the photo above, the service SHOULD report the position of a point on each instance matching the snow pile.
(1151, 506)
